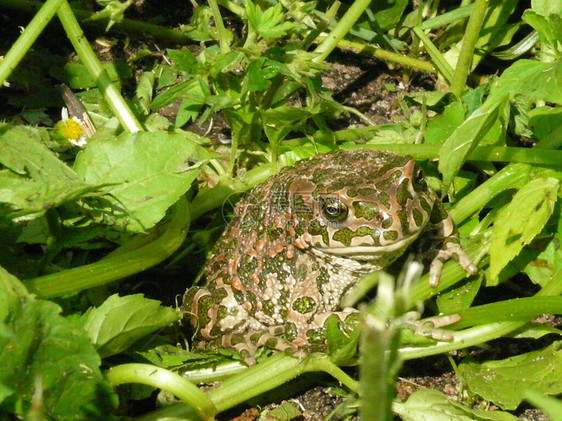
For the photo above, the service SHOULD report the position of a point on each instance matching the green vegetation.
(78, 214)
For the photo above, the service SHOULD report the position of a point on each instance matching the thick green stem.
(467, 50)
(27, 38)
(96, 70)
(163, 241)
(259, 379)
(165, 380)
(342, 28)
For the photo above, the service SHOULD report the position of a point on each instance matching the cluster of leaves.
(262, 76)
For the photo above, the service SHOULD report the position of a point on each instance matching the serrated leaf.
(48, 361)
(267, 23)
(501, 381)
(183, 59)
(39, 180)
(23, 152)
(150, 172)
(121, 321)
(522, 219)
(433, 405)
(26, 197)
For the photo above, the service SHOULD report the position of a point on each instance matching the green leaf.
(260, 72)
(541, 81)
(453, 300)
(48, 361)
(40, 180)
(389, 12)
(500, 381)
(183, 59)
(150, 170)
(433, 405)
(549, 29)
(75, 74)
(544, 121)
(547, 7)
(444, 124)
(342, 338)
(464, 139)
(22, 150)
(547, 267)
(522, 219)
(285, 412)
(189, 89)
(267, 23)
(120, 321)
(26, 197)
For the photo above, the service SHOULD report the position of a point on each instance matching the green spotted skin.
(300, 240)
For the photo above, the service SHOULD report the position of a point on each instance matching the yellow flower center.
(72, 130)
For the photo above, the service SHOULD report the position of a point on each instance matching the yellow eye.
(334, 209)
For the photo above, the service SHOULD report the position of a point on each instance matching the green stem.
(341, 30)
(388, 55)
(511, 177)
(130, 27)
(27, 38)
(94, 67)
(438, 60)
(467, 50)
(165, 380)
(221, 31)
(269, 374)
(233, 7)
(464, 339)
(481, 153)
(449, 17)
(164, 240)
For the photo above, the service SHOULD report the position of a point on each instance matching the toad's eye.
(334, 210)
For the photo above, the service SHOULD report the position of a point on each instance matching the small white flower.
(72, 129)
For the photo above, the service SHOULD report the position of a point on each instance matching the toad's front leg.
(445, 231)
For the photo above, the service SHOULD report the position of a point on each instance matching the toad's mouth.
(366, 251)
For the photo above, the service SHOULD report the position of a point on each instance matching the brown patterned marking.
(237, 284)
(260, 246)
(290, 251)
